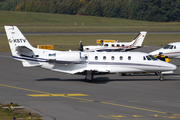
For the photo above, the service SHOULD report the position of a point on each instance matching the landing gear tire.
(161, 78)
(87, 80)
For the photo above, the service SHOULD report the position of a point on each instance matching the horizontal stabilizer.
(30, 63)
(23, 49)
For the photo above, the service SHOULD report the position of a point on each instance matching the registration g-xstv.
(83, 63)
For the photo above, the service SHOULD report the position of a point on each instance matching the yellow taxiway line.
(53, 95)
(71, 96)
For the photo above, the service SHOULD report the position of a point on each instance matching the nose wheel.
(161, 78)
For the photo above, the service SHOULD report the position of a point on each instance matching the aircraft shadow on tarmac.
(104, 80)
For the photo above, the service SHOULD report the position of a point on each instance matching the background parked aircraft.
(116, 46)
(172, 50)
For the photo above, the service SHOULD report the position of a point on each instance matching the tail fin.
(16, 40)
(139, 39)
(20, 47)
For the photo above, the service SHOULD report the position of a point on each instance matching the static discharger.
(100, 41)
(45, 47)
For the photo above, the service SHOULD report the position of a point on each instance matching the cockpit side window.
(144, 58)
(171, 47)
(148, 57)
(105, 44)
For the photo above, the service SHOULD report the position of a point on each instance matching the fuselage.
(117, 46)
(75, 62)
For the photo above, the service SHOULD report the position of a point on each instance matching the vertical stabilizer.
(16, 39)
(20, 47)
(139, 39)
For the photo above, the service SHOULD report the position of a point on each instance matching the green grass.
(46, 22)
(66, 42)
(18, 113)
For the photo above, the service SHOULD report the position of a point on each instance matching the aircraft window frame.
(96, 57)
(104, 57)
(174, 47)
(112, 57)
(123, 45)
(87, 48)
(129, 57)
(117, 45)
(112, 45)
(121, 57)
(86, 57)
(148, 58)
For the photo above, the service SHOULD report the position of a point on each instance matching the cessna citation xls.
(83, 63)
(172, 50)
(116, 46)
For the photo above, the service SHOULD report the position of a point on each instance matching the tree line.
(147, 10)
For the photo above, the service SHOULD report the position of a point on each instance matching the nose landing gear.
(161, 78)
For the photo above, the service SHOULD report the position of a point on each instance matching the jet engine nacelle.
(69, 57)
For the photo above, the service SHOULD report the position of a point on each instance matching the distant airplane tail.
(20, 47)
(139, 39)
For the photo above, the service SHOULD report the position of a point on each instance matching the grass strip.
(66, 42)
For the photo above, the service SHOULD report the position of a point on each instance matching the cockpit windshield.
(100, 44)
(168, 47)
(152, 57)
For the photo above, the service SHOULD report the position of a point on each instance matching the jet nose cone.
(174, 67)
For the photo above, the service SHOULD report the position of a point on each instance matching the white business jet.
(116, 46)
(83, 63)
(172, 50)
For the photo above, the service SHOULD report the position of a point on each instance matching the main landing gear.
(89, 76)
